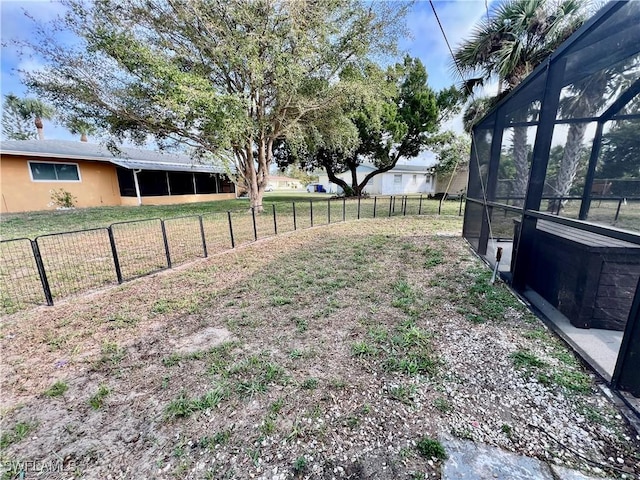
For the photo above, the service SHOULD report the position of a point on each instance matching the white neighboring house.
(400, 180)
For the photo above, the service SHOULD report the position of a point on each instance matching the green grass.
(221, 437)
(15, 434)
(443, 405)
(32, 224)
(430, 448)
(300, 465)
(57, 389)
(525, 359)
(97, 400)
(183, 406)
(403, 393)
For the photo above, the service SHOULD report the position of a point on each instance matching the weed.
(57, 389)
(362, 349)
(352, 421)
(309, 384)
(219, 438)
(462, 433)
(14, 435)
(277, 301)
(338, 384)
(300, 465)
(97, 400)
(430, 448)
(111, 355)
(443, 405)
(507, 430)
(276, 406)
(183, 406)
(119, 320)
(525, 359)
(434, 257)
(574, 381)
(536, 334)
(301, 324)
(404, 394)
(268, 425)
(295, 354)
(378, 334)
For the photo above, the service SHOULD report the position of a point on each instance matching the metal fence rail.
(54, 266)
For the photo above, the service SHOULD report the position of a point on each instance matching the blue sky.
(424, 41)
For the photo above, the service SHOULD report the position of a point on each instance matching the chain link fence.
(55, 266)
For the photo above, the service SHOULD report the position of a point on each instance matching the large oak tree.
(216, 76)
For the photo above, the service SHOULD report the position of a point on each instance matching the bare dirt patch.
(328, 353)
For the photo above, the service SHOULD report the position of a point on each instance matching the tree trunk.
(521, 163)
(255, 178)
(568, 164)
(588, 99)
(333, 178)
(40, 128)
(83, 137)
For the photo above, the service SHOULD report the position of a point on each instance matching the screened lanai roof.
(609, 42)
(130, 158)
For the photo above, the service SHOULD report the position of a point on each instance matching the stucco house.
(400, 180)
(31, 169)
(281, 182)
(456, 185)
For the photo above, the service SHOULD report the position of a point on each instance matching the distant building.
(30, 169)
(280, 182)
(400, 180)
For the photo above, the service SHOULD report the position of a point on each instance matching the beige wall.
(98, 185)
(458, 184)
(175, 199)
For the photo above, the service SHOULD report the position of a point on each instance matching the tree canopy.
(397, 123)
(222, 77)
(20, 114)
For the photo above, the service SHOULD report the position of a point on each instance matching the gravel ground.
(339, 352)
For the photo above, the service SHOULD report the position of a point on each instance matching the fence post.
(420, 206)
(344, 205)
(559, 206)
(166, 243)
(295, 222)
(255, 229)
(391, 204)
(460, 209)
(618, 210)
(440, 205)
(404, 208)
(311, 211)
(375, 200)
(204, 240)
(114, 253)
(43, 275)
(233, 242)
(328, 212)
(275, 222)
(358, 207)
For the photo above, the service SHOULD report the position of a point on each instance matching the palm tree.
(516, 37)
(31, 109)
(14, 125)
(79, 126)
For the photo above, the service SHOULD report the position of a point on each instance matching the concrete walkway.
(600, 347)
(471, 461)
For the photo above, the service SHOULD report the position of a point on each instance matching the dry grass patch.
(339, 351)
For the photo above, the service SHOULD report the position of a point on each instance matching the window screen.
(54, 172)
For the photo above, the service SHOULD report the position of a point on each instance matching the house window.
(415, 179)
(54, 172)
(397, 179)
